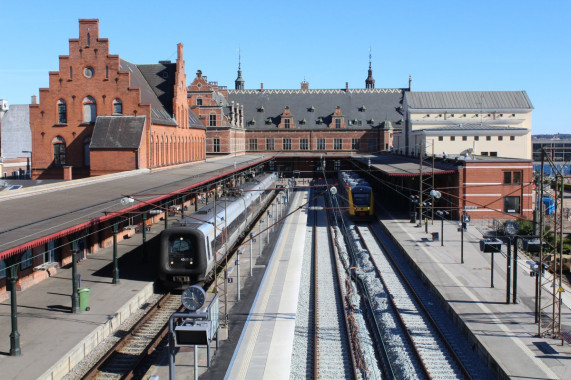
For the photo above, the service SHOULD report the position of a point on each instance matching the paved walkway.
(52, 339)
(506, 331)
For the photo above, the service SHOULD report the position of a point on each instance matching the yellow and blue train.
(357, 196)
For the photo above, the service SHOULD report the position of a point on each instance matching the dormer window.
(287, 123)
(303, 121)
(338, 123)
(261, 109)
(319, 121)
(311, 109)
(362, 108)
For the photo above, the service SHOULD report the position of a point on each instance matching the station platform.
(52, 339)
(263, 314)
(505, 334)
(265, 348)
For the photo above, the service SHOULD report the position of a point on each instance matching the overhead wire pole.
(555, 325)
(420, 187)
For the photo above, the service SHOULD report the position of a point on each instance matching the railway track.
(333, 351)
(128, 355)
(428, 342)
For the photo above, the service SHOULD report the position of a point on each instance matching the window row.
(338, 144)
(59, 151)
(476, 138)
(89, 109)
(26, 261)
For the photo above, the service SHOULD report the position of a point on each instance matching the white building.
(487, 123)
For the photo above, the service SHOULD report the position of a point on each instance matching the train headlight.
(172, 262)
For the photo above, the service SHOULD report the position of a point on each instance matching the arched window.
(59, 150)
(117, 106)
(89, 110)
(61, 112)
(86, 159)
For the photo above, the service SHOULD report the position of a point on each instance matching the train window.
(180, 245)
(361, 199)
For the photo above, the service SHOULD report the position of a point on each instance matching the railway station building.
(102, 114)
(486, 123)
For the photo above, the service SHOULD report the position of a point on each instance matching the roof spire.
(370, 82)
(239, 82)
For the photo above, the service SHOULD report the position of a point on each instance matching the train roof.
(352, 179)
(226, 207)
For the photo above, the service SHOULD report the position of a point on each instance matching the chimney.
(262, 87)
(34, 99)
(304, 85)
(410, 82)
(346, 86)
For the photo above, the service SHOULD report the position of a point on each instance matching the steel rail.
(350, 343)
(451, 350)
(107, 360)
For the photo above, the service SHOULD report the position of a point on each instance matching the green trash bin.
(84, 299)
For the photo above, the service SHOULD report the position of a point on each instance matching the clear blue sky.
(444, 45)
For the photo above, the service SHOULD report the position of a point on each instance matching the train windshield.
(361, 199)
(180, 245)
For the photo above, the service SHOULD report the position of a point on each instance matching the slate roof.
(375, 105)
(117, 132)
(473, 100)
(160, 77)
(159, 114)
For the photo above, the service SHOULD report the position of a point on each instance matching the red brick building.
(102, 114)
(224, 120)
(496, 188)
(339, 121)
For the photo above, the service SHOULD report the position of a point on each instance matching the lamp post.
(511, 229)
(463, 226)
(14, 335)
(413, 202)
(74, 293)
(268, 227)
(442, 214)
(115, 263)
(426, 206)
(251, 243)
(260, 236)
(144, 218)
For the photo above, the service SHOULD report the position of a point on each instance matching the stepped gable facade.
(92, 83)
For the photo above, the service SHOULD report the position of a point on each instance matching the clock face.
(193, 298)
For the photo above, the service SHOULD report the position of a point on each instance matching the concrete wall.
(16, 135)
